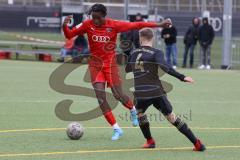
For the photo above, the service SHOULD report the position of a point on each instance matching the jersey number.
(139, 64)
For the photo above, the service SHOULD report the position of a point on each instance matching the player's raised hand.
(67, 20)
(188, 79)
(165, 23)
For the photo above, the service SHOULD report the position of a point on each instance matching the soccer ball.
(75, 131)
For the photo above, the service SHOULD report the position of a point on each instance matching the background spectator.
(75, 49)
(67, 49)
(190, 41)
(135, 33)
(81, 49)
(170, 39)
(81, 45)
(126, 44)
(206, 36)
(130, 40)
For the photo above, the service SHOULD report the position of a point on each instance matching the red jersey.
(102, 39)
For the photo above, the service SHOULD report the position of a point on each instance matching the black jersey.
(144, 62)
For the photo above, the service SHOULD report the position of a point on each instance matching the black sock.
(145, 127)
(183, 128)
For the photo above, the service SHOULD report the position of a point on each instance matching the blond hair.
(146, 33)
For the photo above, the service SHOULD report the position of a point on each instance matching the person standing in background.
(67, 49)
(130, 38)
(126, 45)
(135, 33)
(190, 41)
(81, 45)
(206, 36)
(170, 38)
(81, 49)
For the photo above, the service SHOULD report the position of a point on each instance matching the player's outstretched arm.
(123, 26)
(70, 33)
(169, 70)
(67, 20)
(165, 23)
(159, 58)
(188, 79)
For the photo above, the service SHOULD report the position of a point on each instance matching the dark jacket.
(173, 35)
(126, 42)
(192, 35)
(206, 35)
(136, 42)
(81, 44)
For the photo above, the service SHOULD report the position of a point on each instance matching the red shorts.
(104, 70)
(109, 74)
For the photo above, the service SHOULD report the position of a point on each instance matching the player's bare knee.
(105, 108)
(171, 117)
(116, 96)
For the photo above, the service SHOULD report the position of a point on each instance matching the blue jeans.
(65, 52)
(171, 51)
(185, 55)
(206, 55)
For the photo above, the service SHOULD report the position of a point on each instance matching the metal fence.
(235, 53)
(170, 6)
(216, 52)
(163, 5)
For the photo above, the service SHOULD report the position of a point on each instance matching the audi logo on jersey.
(96, 38)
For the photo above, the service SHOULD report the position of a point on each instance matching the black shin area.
(145, 126)
(184, 129)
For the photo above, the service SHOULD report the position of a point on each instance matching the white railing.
(235, 52)
(30, 47)
(166, 5)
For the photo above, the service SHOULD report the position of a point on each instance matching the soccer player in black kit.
(144, 62)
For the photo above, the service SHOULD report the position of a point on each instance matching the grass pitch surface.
(30, 130)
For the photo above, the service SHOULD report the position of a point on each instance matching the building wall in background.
(30, 19)
(49, 19)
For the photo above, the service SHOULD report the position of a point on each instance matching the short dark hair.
(98, 8)
(139, 14)
(146, 33)
(205, 19)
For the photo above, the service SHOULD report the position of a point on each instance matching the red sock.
(129, 104)
(110, 118)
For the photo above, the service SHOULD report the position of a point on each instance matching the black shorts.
(160, 103)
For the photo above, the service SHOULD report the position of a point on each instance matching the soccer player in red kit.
(102, 35)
